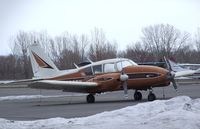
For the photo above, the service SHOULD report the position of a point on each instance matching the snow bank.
(177, 113)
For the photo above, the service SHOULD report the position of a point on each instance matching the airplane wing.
(184, 73)
(71, 86)
(179, 71)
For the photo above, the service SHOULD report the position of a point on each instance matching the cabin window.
(109, 68)
(97, 69)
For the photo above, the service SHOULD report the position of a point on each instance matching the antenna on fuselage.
(76, 65)
(90, 60)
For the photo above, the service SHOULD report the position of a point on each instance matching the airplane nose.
(170, 75)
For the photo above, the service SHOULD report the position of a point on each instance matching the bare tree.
(11, 68)
(84, 41)
(72, 50)
(163, 39)
(186, 55)
(197, 39)
(100, 47)
(21, 43)
(197, 46)
(138, 52)
(66, 49)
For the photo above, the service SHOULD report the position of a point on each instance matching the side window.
(109, 68)
(97, 69)
(88, 71)
(119, 66)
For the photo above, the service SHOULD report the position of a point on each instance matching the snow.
(25, 97)
(177, 113)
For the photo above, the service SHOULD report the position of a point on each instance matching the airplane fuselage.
(139, 78)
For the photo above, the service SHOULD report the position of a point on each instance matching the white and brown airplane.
(97, 77)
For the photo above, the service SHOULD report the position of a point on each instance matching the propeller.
(124, 78)
(172, 73)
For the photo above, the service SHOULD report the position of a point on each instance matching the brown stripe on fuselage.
(67, 77)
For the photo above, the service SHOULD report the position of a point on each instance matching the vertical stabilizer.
(42, 65)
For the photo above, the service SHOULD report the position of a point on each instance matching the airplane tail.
(42, 65)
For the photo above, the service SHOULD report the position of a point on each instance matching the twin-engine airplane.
(97, 77)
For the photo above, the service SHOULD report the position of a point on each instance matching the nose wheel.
(151, 96)
(90, 98)
(137, 95)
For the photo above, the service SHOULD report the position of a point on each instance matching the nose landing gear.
(151, 96)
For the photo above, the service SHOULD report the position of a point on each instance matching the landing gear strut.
(90, 98)
(137, 95)
(151, 96)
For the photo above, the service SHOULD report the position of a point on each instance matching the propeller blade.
(169, 67)
(125, 89)
(168, 64)
(174, 84)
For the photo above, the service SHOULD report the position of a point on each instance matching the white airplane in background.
(181, 68)
(190, 66)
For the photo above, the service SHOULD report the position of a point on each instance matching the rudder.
(42, 65)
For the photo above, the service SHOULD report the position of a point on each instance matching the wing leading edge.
(70, 86)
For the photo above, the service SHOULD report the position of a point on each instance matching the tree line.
(66, 49)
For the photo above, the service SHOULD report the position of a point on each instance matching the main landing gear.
(137, 95)
(90, 98)
(151, 96)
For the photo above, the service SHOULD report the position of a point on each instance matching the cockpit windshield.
(124, 63)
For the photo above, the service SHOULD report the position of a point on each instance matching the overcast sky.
(121, 20)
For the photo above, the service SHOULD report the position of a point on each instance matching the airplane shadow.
(44, 104)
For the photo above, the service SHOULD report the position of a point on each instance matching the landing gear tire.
(151, 97)
(90, 98)
(137, 96)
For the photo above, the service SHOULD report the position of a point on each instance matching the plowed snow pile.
(177, 113)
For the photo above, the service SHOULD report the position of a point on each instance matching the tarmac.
(71, 105)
